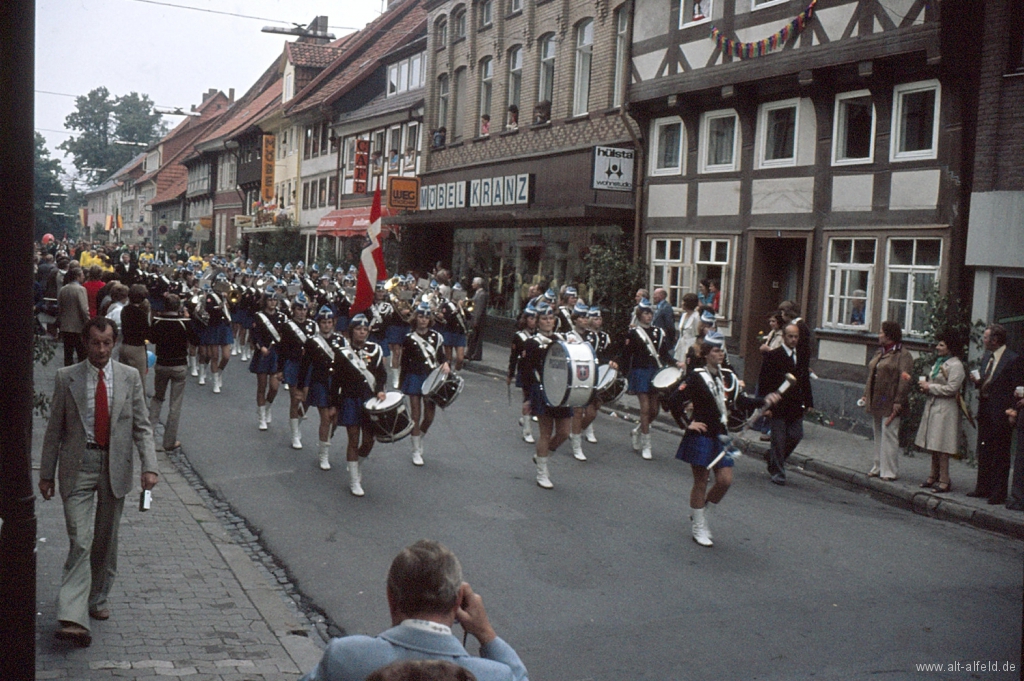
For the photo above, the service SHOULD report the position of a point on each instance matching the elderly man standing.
(476, 322)
(663, 315)
(98, 414)
(426, 596)
(995, 383)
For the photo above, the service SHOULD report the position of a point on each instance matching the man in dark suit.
(664, 318)
(999, 375)
(477, 321)
(98, 416)
(786, 417)
(127, 272)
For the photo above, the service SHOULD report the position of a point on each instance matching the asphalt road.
(598, 578)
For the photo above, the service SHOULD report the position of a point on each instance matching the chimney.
(231, 94)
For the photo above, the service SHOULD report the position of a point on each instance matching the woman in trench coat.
(939, 432)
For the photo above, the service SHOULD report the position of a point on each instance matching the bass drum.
(570, 372)
(611, 385)
(442, 389)
(389, 419)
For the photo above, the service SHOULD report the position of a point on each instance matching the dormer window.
(406, 75)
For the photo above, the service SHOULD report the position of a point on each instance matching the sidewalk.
(188, 601)
(844, 459)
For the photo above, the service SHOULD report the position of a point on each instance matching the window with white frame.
(853, 128)
(912, 270)
(694, 12)
(711, 258)
(621, 49)
(719, 141)
(851, 267)
(485, 10)
(668, 269)
(441, 33)
(515, 75)
(915, 121)
(778, 123)
(406, 74)
(486, 89)
(459, 87)
(546, 80)
(459, 23)
(515, 6)
(442, 100)
(584, 55)
(757, 4)
(667, 146)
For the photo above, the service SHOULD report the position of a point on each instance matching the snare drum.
(442, 389)
(666, 381)
(611, 385)
(388, 418)
(570, 371)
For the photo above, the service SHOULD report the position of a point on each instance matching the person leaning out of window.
(939, 432)
(885, 398)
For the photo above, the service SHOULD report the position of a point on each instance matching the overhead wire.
(230, 14)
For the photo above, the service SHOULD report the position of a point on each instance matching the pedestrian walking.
(72, 314)
(170, 335)
(786, 418)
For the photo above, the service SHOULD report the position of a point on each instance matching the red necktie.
(101, 425)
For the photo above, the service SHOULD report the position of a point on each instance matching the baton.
(759, 412)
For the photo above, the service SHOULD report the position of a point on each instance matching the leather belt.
(93, 445)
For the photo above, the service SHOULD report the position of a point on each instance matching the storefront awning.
(350, 222)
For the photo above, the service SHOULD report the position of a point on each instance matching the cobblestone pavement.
(189, 600)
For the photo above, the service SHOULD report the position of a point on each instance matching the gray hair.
(478, 281)
(425, 578)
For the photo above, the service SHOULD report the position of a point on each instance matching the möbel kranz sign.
(487, 192)
(613, 169)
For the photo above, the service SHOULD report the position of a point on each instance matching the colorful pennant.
(764, 46)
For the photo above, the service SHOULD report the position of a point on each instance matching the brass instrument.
(234, 296)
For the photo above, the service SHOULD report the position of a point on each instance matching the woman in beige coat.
(885, 397)
(939, 432)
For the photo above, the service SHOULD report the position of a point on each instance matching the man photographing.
(426, 596)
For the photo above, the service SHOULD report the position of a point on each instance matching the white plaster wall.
(852, 192)
(666, 200)
(914, 190)
(846, 353)
(995, 232)
(718, 198)
(651, 19)
(782, 195)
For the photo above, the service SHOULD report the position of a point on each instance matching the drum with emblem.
(569, 375)
(388, 418)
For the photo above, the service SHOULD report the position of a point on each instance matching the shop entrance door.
(778, 269)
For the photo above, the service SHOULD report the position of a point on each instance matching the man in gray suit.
(97, 415)
(72, 314)
(426, 596)
(477, 321)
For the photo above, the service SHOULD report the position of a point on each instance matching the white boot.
(707, 518)
(527, 433)
(645, 439)
(635, 436)
(542, 472)
(700, 527)
(417, 450)
(296, 434)
(394, 380)
(267, 412)
(263, 416)
(355, 479)
(577, 447)
(589, 434)
(218, 381)
(202, 374)
(323, 449)
(234, 347)
(192, 365)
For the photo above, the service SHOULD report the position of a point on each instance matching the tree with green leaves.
(112, 131)
(49, 190)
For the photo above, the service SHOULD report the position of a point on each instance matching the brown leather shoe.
(76, 633)
(101, 615)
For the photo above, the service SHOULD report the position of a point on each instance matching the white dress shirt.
(92, 378)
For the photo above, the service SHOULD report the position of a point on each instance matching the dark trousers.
(72, 344)
(994, 437)
(786, 435)
(1016, 500)
(475, 351)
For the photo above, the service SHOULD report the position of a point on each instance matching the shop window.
(778, 123)
(853, 129)
(621, 50)
(485, 10)
(546, 78)
(693, 12)
(719, 141)
(584, 55)
(667, 146)
(912, 270)
(915, 121)
(851, 267)
(668, 270)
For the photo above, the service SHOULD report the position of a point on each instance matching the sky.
(174, 55)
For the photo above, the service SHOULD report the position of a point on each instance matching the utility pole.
(17, 500)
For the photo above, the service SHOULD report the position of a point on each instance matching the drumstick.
(759, 412)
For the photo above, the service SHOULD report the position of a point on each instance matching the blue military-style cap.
(530, 310)
(359, 320)
(581, 308)
(714, 339)
(571, 291)
(594, 312)
(325, 313)
(423, 309)
(549, 295)
(708, 317)
(644, 306)
(545, 310)
(301, 301)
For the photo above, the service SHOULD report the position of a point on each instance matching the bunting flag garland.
(764, 46)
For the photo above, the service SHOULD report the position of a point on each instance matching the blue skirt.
(350, 412)
(318, 396)
(217, 334)
(412, 384)
(454, 339)
(540, 407)
(378, 338)
(243, 318)
(700, 450)
(291, 372)
(640, 380)
(395, 334)
(264, 364)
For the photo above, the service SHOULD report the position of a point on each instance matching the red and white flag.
(371, 261)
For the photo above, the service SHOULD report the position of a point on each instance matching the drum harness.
(650, 345)
(717, 390)
(544, 342)
(269, 326)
